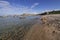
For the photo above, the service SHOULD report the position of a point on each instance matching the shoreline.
(45, 28)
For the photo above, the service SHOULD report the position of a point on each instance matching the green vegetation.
(54, 12)
(51, 12)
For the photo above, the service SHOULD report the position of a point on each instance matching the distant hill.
(51, 12)
(54, 12)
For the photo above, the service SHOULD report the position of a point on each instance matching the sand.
(47, 29)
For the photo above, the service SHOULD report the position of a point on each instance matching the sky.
(17, 7)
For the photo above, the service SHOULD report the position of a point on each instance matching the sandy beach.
(47, 29)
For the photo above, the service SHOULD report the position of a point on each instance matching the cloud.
(7, 9)
(4, 4)
(34, 5)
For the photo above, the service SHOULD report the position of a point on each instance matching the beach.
(47, 27)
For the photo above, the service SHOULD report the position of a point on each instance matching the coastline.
(45, 28)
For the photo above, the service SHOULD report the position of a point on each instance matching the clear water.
(10, 22)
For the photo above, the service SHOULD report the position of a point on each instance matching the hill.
(51, 12)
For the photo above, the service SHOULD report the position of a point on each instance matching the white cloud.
(7, 9)
(4, 4)
(34, 5)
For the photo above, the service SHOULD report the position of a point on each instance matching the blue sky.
(12, 7)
